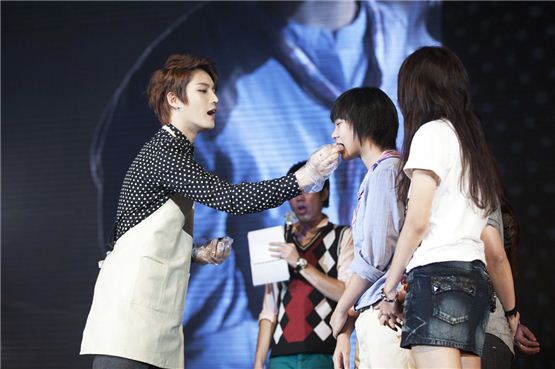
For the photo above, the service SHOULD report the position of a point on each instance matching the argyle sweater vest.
(303, 323)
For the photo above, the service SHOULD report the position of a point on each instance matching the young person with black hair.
(366, 125)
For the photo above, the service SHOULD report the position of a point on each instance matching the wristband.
(386, 299)
(511, 312)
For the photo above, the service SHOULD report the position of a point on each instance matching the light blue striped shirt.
(377, 221)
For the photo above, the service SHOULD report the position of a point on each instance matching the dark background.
(61, 63)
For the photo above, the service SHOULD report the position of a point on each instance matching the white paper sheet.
(265, 268)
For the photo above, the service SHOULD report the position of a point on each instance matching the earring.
(176, 107)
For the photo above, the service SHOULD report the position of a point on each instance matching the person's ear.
(173, 101)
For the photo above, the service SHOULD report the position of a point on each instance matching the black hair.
(371, 113)
(433, 84)
(298, 166)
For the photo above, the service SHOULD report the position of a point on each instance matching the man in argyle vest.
(294, 321)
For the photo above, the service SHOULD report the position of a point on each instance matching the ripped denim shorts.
(448, 304)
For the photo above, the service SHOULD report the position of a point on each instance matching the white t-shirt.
(455, 222)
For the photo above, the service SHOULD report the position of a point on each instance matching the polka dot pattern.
(165, 167)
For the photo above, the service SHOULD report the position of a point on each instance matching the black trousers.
(115, 362)
(496, 354)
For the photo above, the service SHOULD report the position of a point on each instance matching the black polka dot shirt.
(165, 167)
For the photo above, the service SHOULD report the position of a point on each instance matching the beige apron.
(139, 295)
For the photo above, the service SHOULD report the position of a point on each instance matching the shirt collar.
(385, 155)
(179, 138)
(312, 37)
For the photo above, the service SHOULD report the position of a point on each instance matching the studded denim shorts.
(447, 304)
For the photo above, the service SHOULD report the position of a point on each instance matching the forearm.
(349, 327)
(409, 240)
(265, 331)
(423, 187)
(498, 267)
(354, 289)
(499, 270)
(330, 287)
(342, 350)
(344, 336)
(502, 280)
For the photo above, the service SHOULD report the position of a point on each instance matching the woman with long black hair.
(450, 183)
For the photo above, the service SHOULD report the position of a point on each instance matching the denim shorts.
(448, 304)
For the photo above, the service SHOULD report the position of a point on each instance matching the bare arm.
(500, 272)
(355, 288)
(424, 184)
(499, 267)
(342, 351)
(423, 187)
(266, 324)
(265, 331)
(330, 287)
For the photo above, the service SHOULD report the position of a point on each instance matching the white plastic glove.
(318, 168)
(213, 252)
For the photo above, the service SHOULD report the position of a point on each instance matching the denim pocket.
(452, 298)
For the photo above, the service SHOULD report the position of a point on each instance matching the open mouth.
(211, 112)
(341, 146)
(301, 209)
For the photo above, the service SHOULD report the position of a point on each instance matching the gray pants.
(115, 362)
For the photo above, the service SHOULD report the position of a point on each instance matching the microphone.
(290, 219)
